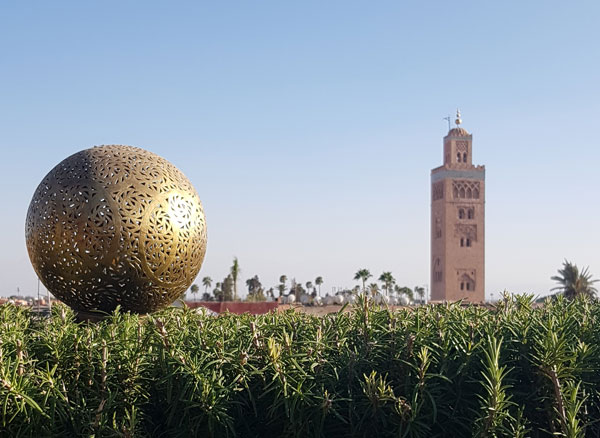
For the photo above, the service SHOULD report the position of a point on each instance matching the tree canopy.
(573, 282)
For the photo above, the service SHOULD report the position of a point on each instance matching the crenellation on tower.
(457, 221)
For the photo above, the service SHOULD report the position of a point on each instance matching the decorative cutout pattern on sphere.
(116, 225)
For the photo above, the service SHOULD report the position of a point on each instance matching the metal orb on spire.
(116, 226)
(458, 120)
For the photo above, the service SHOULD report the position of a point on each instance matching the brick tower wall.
(458, 224)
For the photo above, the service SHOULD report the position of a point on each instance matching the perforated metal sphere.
(116, 225)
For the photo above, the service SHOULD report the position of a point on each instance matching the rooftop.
(458, 132)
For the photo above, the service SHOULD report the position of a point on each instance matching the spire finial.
(458, 120)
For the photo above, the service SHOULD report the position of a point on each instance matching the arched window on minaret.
(458, 157)
(437, 270)
(466, 283)
(465, 157)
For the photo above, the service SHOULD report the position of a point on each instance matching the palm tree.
(319, 282)
(282, 287)
(254, 287)
(573, 283)
(217, 292)
(420, 291)
(298, 289)
(363, 275)
(293, 286)
(405, 291)
(227, 287)
(373, 288)
(206, 282)
(388, 280)
(194, 290)
(309, 286)
(235, 270)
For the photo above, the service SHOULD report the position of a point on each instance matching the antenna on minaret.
(458, 120)
(448, 119)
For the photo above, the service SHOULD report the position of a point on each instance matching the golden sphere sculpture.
(116, 225)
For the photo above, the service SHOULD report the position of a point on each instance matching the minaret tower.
(457, 222)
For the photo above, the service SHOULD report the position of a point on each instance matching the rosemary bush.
(443, 370)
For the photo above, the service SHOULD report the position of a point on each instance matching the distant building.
(457, 222)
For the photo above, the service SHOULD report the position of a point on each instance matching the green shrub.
(445, 370)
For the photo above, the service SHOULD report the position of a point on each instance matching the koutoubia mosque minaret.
(457, 221)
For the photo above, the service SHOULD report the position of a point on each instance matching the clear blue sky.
(309, 128)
